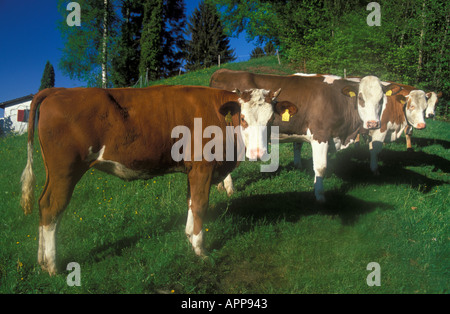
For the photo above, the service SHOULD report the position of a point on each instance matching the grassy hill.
(269, 237)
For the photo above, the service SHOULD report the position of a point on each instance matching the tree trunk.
(104, 50)
(422, 33)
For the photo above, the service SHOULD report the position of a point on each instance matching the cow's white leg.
(199, 187)
(297, 154)
(190, 222)
(228, 184)
(197, 243)
(375, 147)
(195, 239)
(319, 152)
(47, 247)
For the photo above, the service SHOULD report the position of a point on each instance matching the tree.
(207, 38)
(330, 36)
(161, 38)
(48, 77)
(257, 52)
(173, 40)
(89, 48)
(269, 49)
(151, 39)
(125, 63)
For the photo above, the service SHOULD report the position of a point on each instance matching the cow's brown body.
(126, 132)
(322, 107)
(328, 108)
(403, 110)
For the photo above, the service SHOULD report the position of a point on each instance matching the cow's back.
(133, 127)
(322, 107)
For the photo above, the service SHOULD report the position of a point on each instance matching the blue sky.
(29, 37)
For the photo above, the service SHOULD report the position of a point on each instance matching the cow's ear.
(231, 107)
(349, 91)
(282, 106)
(401, 99)
(391, 89)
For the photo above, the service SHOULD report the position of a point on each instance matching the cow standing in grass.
(130, 133)
(330, 108)
(406, 109)
(432, 100)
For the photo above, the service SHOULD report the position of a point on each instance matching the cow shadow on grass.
(352, 166)
(424, 142)
(246, 212)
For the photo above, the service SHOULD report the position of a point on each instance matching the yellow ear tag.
(389, 93)
(285, 116)
(351, 94)
(402, 102)
(229, 117)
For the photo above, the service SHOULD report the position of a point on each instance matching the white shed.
(17, 110)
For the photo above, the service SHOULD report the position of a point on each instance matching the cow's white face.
(257, 113)
(416, 104)
(371, 100)
(431, 104)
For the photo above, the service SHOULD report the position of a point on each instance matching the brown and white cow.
(432, 100)
(130, 133)
(402, 110)
(328, 108)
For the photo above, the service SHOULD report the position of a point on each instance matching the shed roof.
(19, 100)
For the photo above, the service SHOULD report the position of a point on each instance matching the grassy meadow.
(269, 237)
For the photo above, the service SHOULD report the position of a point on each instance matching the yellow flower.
(172, 291)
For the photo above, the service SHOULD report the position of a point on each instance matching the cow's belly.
(289, 138)
(97, 160)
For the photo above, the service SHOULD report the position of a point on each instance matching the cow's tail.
(28, 178)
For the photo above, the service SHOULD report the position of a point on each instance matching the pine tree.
(125, 64)
(208, 40)
(48, 78)
(269, 49)
(173, 39)
(151, 40)
(161, 38)
(257, 52)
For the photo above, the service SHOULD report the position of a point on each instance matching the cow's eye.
(411, 108)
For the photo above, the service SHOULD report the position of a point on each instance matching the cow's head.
(257, 109)
(414, 105)
(433, 99)
(371, 100)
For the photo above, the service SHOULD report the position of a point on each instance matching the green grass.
(269, 237)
